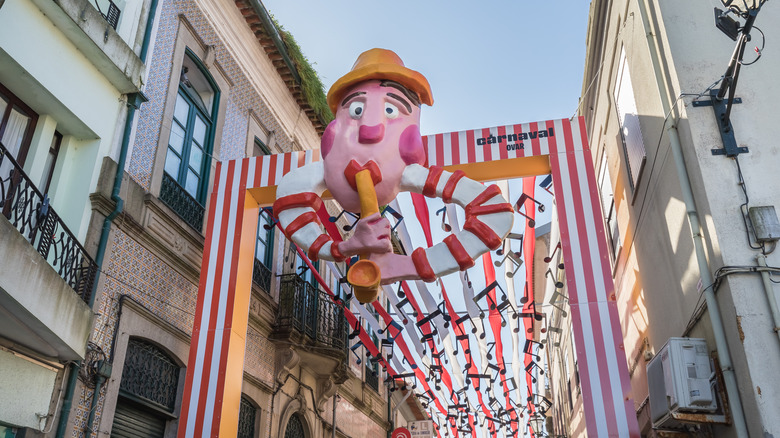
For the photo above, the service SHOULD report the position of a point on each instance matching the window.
(190, 144)
(247, 416)
(147, 392)
(264, 251)
(51, 161)
(628, 119)
(17, 123)
(608, 208)
(294, 428)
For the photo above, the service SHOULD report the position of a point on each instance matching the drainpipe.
(333, 424)
(770, 294)
(719, 332)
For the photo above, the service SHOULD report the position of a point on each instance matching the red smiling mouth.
(353, 168)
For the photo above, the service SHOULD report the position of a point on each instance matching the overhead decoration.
(370, 152)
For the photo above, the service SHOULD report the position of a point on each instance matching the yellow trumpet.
(364, 276)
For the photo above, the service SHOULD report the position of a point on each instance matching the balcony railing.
(372, 379)
(311, 312)
(261, 276)
(174, 196)
(28, 210)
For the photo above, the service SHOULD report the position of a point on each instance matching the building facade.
(684, 221)
(114, 117)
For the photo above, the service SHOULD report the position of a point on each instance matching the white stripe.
(279, 171)
(433, 160)
(463, 147)
(208, 294)
(265, 171)
(211, 393)
(447, 146)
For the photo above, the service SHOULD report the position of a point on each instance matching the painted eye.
(356, 109)
(391, 111)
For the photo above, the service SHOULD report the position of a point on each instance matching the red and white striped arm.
(488, 219)
(297, 202)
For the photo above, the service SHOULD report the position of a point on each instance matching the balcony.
(261, 276)
(175, 197)
(47, 277)
(308, 317)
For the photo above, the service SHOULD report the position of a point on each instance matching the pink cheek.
(327, 139)
(411, 147)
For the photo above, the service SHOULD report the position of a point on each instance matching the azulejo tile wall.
(235, 102)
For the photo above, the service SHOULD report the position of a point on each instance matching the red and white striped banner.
(214, 370)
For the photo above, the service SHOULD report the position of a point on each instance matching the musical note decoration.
(521, 203)
(348, 227)
(396, 215)
(546, 184)
(444, 225)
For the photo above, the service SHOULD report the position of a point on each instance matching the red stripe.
(296, 200)
(486, 195)
(486, 234)
(455, 146)
(258, 171)
(211, 329)
(314, 249)
(449, 188)
(487, 149)
(459, 252)
(301, 159)
(300, 222)
(272, 169)
(503, 207)
(429, 189)
(502, 152)
(337, 255)
(422, 266)
(535, 141)
(439, 140)
(471, 148)
(231, 297)
(287, 163)
(202, 290)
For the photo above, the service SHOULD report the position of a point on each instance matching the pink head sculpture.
(371, 151)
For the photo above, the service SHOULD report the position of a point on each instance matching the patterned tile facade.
(235, 102)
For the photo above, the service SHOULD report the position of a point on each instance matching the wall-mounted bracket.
(720, 106)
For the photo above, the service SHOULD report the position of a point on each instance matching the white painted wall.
(44, 69)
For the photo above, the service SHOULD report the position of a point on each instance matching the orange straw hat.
(380, 64)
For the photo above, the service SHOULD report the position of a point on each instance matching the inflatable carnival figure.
(371, 151)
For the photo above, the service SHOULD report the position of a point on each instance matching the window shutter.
(630, 130)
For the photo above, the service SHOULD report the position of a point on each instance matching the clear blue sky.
(492, 63)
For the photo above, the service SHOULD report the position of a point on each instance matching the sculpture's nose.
(371, 134)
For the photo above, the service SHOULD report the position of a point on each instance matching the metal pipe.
(93, 406)
(67, 402)
(719, 332)
(770, 294)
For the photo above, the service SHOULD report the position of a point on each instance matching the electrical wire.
(744, 209)
(757, 50)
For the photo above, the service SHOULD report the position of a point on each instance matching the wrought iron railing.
(28, 210)
(372, 378)
(111, 15)
(187, 207)
(261, 276)
(305, 308)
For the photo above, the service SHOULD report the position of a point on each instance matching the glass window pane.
(191, 186)
(177, 137)
(172, 163)
(196, 158)
(181, 110)
(3, 106)
(15, 129)
(199, 132)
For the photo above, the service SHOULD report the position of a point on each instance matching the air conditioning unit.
(680, 380)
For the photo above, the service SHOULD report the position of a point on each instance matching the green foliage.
(311, 85)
